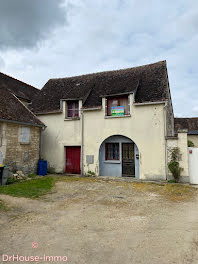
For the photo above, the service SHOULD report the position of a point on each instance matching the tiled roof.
(20, 89)
(149, 82)
(11, 109)
(187, 123)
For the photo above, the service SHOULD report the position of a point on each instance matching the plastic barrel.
(42, 167)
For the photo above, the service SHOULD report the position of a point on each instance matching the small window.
(112, 151)
(118, 106)
(24, 137)
(72, 109)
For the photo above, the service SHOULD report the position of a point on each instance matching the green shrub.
(190, 144)
(173, 165)
(91, 173)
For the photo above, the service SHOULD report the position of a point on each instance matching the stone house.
(116, 123)
(20, 129)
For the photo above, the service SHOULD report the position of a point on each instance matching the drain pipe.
(82, 142)
(40, 141)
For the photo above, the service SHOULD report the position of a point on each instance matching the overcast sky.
(43, 39)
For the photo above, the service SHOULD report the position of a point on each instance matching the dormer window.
(118, 106)
(72, 110)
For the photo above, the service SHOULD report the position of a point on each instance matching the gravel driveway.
(94, 221)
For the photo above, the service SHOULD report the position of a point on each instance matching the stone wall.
(20, 156)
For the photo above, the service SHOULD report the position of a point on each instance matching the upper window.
(72, 109)
(112, 151)
(118, 106)
(24, 136)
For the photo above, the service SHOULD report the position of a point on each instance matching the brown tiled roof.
(150, 82)
(20, 89)
(11, 109)
(190, 123)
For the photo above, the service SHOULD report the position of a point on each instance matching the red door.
(73, 160)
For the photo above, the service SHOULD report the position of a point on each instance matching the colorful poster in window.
(117, 110)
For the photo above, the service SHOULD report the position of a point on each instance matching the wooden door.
(73, 160)
(128, 162)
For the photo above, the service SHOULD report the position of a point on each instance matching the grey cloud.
(2, 63)
(23, 23)
(106, 35)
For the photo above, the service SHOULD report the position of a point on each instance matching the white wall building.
(115, 123)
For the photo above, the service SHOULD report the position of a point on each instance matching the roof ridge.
(18, 80)
(111, 71)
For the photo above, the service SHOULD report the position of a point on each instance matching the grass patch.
(29, 189)
(171, 181)
(32, 175)
(173, 192)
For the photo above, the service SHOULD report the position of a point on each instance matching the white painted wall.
(183, 146)
(145, 126)
(193, 162)
(58, 134)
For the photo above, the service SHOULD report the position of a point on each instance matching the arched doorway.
(119, 156)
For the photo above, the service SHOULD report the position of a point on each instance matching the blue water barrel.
(42, 167)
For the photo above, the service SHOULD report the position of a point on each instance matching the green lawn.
(30, 189)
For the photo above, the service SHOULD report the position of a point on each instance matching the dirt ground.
(95, 221)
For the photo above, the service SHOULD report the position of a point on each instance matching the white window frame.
(24, 135)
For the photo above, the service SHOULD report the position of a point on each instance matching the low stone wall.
(21, 157)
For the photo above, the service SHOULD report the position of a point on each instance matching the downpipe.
(82, 142)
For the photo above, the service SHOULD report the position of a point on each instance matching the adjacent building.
(191, 124)
(20, 129)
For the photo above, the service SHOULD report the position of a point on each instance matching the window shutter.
(105, 106)
(25, 135)
(129, 104)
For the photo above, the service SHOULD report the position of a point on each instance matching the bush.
(173, 165)
(190, 144)
(91, 173)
